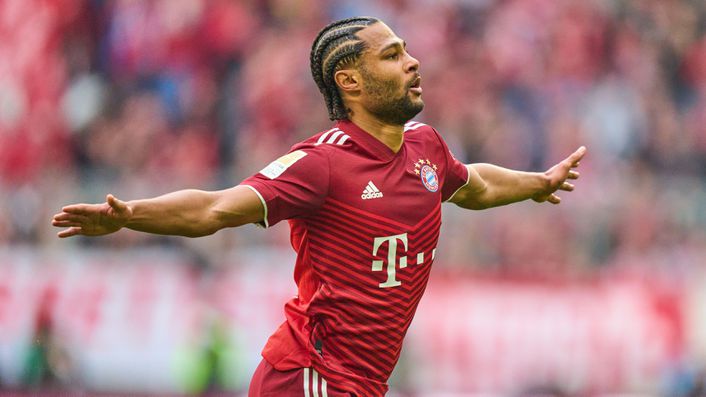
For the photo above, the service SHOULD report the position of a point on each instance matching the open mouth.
(416, 85)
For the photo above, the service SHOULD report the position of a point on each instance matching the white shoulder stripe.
(323, 136)
(343, 139)
(334, 136)
(413, 126)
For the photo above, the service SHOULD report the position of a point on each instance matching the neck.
(389, 134)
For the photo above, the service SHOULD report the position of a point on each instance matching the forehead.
(377, 36)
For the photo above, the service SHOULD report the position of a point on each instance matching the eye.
(393, 55)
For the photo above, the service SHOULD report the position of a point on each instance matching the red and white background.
(140, 322)
(139, 98)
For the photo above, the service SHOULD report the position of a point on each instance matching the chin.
(418, 105)
(416, 100)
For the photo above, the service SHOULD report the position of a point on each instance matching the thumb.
(117, 205)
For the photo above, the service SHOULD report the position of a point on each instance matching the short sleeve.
(293, 185)
(457, 174)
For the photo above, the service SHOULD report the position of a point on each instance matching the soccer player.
(363, 200)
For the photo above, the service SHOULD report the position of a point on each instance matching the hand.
(557, 176)
(93, 219)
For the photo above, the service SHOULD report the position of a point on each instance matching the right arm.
(190, 213)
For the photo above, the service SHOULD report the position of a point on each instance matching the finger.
(76, 208)
(66, 224)
(554, 199)
(573, 175)
(567, 187)
(576, 156)
(70, 217)
(72, 231)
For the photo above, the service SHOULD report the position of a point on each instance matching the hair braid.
(336, 45)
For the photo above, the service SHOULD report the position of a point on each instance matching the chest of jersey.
(404, 190)
(383, 216)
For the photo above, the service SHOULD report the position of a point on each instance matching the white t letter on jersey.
(391, 258)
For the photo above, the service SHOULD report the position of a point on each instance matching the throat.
(390, 135)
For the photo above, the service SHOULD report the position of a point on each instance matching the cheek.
(390, 86)
(384, 83)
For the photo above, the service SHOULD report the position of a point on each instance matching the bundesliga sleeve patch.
(277, 167)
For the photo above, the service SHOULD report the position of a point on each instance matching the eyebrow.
(400, 43)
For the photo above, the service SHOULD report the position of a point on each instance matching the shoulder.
(315, 150)
(326, 140)
(416, 126)
(416, 131)
(323, 143)
(425, 135)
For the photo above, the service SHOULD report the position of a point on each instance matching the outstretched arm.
(190, 213)
(492, 186)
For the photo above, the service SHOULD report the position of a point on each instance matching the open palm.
(93, 219)
(558, 175)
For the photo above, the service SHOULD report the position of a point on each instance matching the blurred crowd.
(139, 98)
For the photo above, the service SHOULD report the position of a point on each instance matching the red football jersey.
(364, 223)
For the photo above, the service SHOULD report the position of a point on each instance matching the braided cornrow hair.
(336, 46)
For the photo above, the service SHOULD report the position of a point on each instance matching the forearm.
(506, 186)
(501, 186)
(184, 213)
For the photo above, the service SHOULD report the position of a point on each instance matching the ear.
(347, 80)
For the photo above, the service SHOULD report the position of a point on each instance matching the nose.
(412, 64)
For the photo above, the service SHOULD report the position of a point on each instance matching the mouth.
(416, 85)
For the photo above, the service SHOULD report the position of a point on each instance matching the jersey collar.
(369, 142)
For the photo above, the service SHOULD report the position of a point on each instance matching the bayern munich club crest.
(427, 171)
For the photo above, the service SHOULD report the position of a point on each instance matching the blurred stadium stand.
(602, 295)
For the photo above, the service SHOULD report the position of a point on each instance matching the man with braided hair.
(363, 200)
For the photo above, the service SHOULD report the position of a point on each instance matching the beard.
(387, 103)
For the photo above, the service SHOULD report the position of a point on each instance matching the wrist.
(541, 186)
(129, 213)
(543, 182)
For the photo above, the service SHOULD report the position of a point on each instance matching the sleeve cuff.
(468, 180)
(265, 223)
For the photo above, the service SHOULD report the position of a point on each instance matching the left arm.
(492, 186)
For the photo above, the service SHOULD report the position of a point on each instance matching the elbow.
(223, 219)
(481, 206)
(474, 200)
(199, 232)
(474, 205)
(206, 226)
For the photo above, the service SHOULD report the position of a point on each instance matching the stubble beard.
(387, 104)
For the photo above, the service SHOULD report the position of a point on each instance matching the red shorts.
(302, 382)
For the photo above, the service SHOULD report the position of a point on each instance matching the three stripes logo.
(333, 136)
(412, 125)
(371, 192)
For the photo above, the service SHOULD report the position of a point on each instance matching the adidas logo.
(371, 192)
